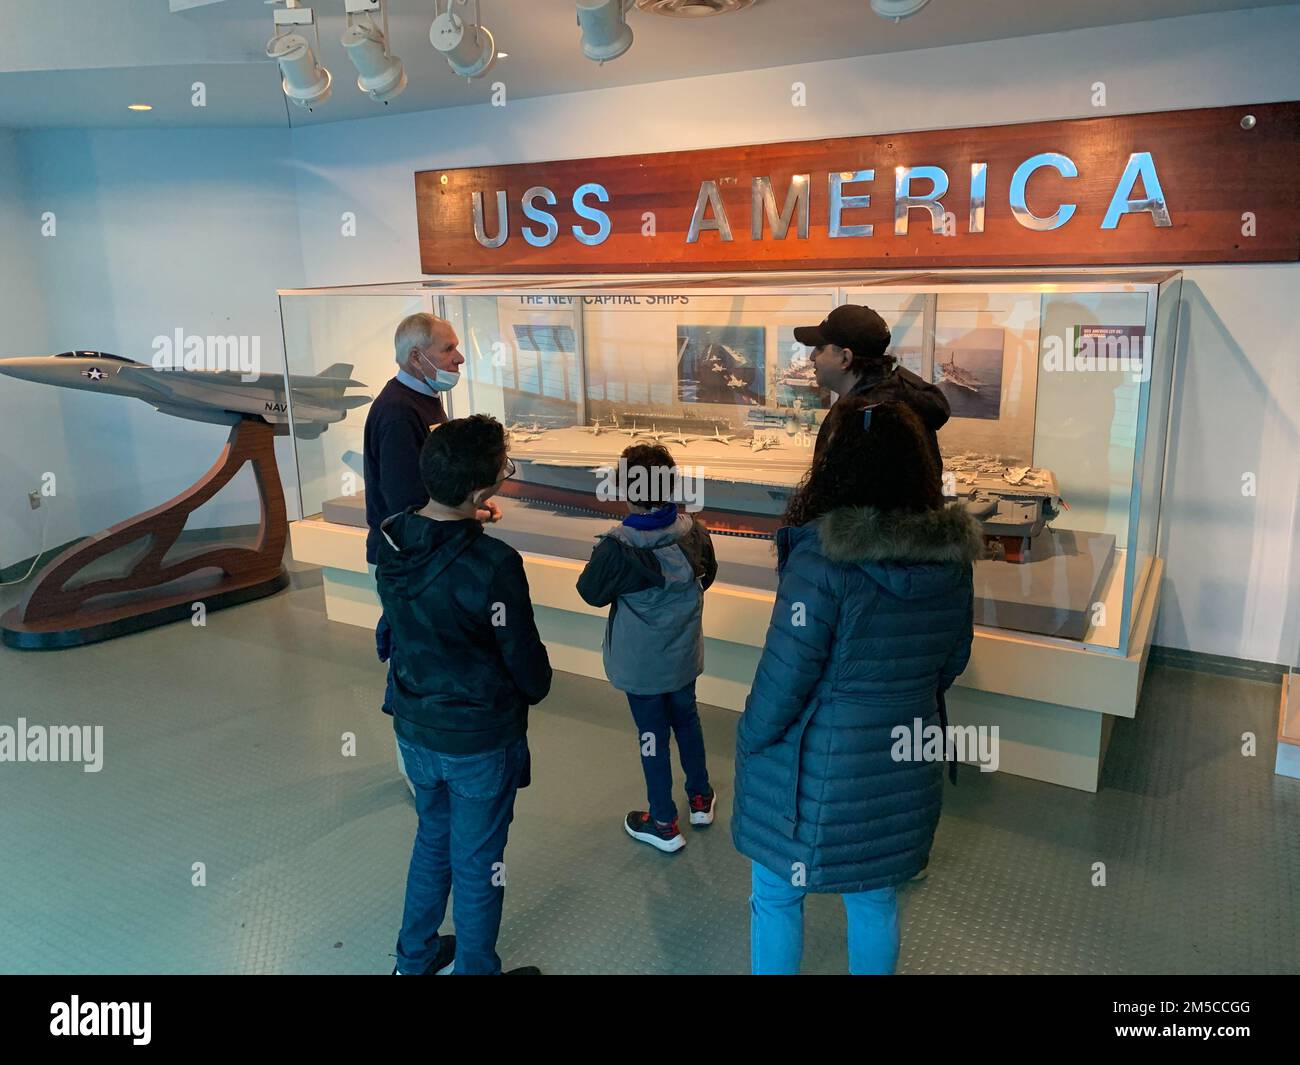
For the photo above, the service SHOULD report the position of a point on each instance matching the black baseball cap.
(848, 326)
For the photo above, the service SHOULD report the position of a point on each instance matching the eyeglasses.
(510, 469)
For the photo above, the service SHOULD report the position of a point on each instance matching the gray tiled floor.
(223, 746)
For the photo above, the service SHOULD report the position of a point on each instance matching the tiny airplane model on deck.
(763, 443)
(681, 438)
(633, 431)
(223, 397)
(595, 428)
(654, 434)
(520, 434)
(720, 438)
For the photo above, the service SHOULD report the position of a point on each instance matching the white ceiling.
(80, 62)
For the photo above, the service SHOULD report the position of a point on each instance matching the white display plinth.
(1053, 701)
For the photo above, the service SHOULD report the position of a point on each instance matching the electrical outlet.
(34, 498)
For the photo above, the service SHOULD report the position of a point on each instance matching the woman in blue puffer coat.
(872, 624)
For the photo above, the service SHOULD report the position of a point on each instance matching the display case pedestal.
(1054, 702)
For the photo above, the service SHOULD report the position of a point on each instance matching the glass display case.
(1058, 383)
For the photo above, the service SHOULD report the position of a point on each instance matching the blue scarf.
(656, 519)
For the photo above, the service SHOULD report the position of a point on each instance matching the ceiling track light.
(897, 10)
(605, 32)
(380, 74)
(692, 8)
(469, 46)
(304, 80)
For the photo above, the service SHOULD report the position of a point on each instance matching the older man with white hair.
(403, 415)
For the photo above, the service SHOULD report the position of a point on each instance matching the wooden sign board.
(1079, 192)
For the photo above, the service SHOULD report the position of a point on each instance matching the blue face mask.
(442, 380)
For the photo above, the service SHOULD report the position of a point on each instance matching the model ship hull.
(736, 507)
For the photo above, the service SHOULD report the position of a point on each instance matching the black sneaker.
(640, 825)
(523, 970)
(443, 962)
(702, 808)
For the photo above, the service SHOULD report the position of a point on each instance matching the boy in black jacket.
(468, 662)
(652, 571)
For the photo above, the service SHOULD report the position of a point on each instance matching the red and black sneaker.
(702, 808)
(640, 825)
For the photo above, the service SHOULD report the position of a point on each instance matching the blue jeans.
(776, 927)
(657, 715)
(465, 803)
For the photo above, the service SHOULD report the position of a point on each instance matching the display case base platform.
(1054, 702)
(1288, 728)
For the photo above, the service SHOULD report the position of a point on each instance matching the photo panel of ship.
(540, 375)
(968, 369)
(795, 377)
(909, 357)
(721, 364)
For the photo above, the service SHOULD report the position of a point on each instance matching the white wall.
(1233, 588)
(190, 229)
(183, 229)
(21, 413)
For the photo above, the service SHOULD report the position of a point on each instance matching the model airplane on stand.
(77, 599)
(219, 396)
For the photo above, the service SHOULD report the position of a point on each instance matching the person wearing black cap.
(849, 358)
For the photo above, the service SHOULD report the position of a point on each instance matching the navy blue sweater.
(397, 425)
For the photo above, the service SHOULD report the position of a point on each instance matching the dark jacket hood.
(912, 554)
(417, 549)
(925, 398)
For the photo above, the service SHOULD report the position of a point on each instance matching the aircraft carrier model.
(1012, 503)
(745, 478)
(681, 422)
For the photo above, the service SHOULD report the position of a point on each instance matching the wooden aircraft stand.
(53, 615)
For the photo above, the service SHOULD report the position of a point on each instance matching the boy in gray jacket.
(651, 571)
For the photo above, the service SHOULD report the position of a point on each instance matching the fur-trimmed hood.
(865, 534)
(911, 555)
